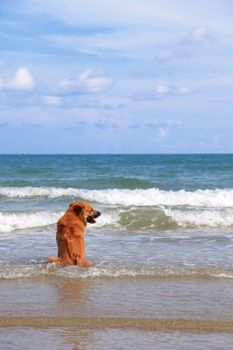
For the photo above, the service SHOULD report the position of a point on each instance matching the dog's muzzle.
(91, 218)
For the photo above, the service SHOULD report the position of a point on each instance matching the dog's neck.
(82, 218)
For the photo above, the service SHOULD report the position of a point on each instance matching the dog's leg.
(76, 250)
(54, 259)
(85, 263)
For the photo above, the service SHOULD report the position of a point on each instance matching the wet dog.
(70, 234)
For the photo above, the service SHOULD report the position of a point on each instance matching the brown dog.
(70, 234)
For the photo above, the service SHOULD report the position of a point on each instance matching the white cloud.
(166, 125)
(183, 48)
(51, 100)
(165, 90)
(196, 36)
(199, 34)
(130, 13)
(162, 89)
(183, 90)
(164, 55)
(107, 103)
(89, 81)
(22, 80)
(2, 84)
(163, 133)
(217, 140)
(127, 43)
(113, 122)
(104, 12)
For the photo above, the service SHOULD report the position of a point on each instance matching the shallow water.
(117, 298)
(104, 339)
(189, 255)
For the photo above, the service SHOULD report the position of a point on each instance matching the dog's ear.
(78, 209)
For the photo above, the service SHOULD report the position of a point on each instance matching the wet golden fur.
(70, 234)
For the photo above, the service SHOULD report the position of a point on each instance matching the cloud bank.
(89, 81)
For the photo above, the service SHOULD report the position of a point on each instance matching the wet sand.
(108, 313)
(110, 322)
(78, 338)
(123, 297)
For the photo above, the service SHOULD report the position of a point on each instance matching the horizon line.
(115, 154)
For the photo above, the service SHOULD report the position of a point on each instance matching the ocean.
(162, 252)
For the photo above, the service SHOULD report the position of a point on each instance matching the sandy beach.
(108, 313)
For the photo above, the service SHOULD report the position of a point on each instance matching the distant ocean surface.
(163, 215)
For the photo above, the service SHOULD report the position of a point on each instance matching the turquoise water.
(165, 172)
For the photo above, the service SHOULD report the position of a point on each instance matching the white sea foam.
(220, 198)
(197, 218)
(210, 208)
(30, 192)
(121, 219)
(32, 270)
(11, 221)
(110, 218)
(20, 221)
(155, 197)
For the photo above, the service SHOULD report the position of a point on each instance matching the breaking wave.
(132, 219)
(20, 221)
(10, 222)
(133, 210)
(220, 198)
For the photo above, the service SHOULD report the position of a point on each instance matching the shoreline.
(186, 325)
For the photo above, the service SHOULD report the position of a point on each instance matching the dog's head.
(85, 210)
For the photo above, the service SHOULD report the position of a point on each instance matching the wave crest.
(220, 198)
(150, 219)
(11, 221)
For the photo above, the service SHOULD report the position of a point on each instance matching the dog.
(70, 234)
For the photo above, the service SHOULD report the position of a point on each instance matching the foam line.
(220, 198)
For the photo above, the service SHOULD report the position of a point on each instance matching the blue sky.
(125, 76)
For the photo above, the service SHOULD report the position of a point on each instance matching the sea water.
(162, 248)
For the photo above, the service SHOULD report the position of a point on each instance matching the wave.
(40, 269)
(31, 192)
(220, 198)
(20, 221)
(149, 219)
(10, 222)
(163, 219)
(201, 218)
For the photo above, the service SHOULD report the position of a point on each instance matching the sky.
(119, 76)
